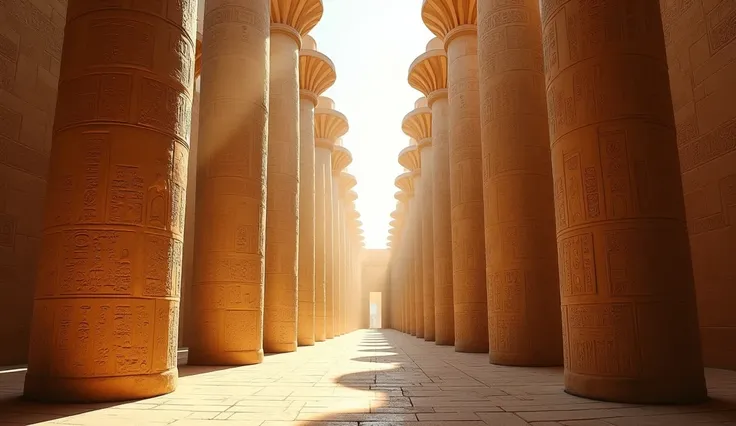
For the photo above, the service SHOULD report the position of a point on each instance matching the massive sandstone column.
(406, 253)
(105, 316)
(290, 20)
(398, 246)
(341, 158)
(329, 125)
(347, 183)
(316, 74)
(521, 257)
(407, 182)
(354, 291)
(418, 125)
(454, 21)
(227, 292)
(630, 329)
(410, 159)
(428, 74)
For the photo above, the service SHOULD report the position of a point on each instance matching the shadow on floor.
(411, 380)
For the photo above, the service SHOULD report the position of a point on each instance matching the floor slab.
(370, 378)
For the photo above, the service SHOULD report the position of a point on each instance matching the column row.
(106, 305)
(555, 187)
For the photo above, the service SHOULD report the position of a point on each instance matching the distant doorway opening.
(375, 309)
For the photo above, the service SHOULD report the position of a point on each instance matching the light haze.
(373, 43)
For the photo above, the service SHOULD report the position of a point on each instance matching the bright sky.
(372, 43)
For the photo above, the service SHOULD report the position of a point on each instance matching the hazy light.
(372, 44)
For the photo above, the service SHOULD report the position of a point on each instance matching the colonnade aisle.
(372, 378)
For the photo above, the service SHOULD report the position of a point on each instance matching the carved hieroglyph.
(418, 125)
(105, 316)
(316, 74)
(428, 74)
(630, 330)
(521, 258)
(341, 158)
(290, 20)
(329, 125)
(700, 40)
(455, 22)
(227, 293)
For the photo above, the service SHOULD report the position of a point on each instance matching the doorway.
(375, 309)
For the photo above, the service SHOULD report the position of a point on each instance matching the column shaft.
(109, 277)
(307, 235)
(426, 219)
(630, 329)
(323, 180)
(227, 293)
(330, 275)
(466, 180)
(521, 256)
(442, 225)
(416, 224)
(282, 212)
(336, 253)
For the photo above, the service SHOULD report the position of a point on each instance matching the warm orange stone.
(316, 74)
(227, 292)
(521, 256)
(341, 158)
(629, 319)
(428, 74)
(329, 126)
(290, 20)
(418, 125)
(105, 316)
(455, 22)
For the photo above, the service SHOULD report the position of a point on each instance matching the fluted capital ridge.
(302, 15)
(316, 72)
(443, 16)
(410, 158)
(341, 158)
(428, 72)
(418, 124)
(329, 124)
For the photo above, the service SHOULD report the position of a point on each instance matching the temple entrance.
(375, 309)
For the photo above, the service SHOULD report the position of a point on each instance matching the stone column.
(341, 158)
(454, 22)
(329, 126)
(347, 183)
(416, 224)
(521, 257)
(626, 276)
(282, 212)
(323, 178)
(428, 74)
(418, 125)
(111, 252)
(227, 303)
(406, 197)
(316, 74)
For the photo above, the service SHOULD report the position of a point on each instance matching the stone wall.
(374, 271)
(701, 51)
(31, 33)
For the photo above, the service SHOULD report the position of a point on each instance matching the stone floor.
(374, 378)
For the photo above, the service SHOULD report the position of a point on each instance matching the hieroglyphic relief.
(116, 283)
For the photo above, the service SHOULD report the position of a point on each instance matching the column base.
(442, 342)
(226, 358)
(471, 348)
(306, 342)
(279, 348)
(99, 389)
(429, 338)
(520, 360)
(673, 390)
